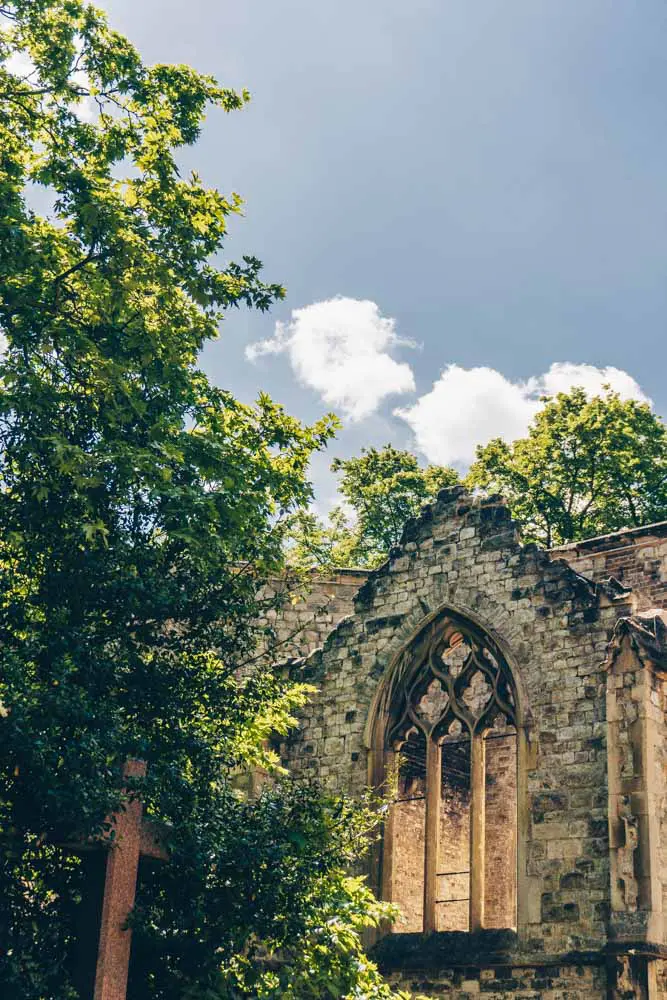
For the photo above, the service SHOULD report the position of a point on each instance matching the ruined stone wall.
(659, 694)
(578, 982)
(311, 608)
(552, 616)
(554, 627)
(636, 557)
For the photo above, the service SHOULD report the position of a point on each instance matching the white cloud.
(469, 406)
(20, 64)
(342, 348)
(564, 375)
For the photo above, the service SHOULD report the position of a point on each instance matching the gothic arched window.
(450, 752)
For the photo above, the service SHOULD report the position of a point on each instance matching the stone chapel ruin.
(513, 702)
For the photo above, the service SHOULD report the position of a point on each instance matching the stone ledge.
(445, 948)
(421, 953)
(624, 536)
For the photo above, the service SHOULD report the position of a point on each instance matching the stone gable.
(553, 626)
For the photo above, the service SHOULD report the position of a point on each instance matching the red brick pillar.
(113, 957)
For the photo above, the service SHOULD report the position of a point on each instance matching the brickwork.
(454, 855)
(553, 618)
(636, 557)
(501, 806)
(408, 872)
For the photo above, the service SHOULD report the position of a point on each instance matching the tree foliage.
(314, 542)
(381, 488)
(586, 467)
(301, 937)
(140, 506)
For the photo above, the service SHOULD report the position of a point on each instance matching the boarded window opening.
(451, 840)
(500, 810)
(409, 825)
(453, 891)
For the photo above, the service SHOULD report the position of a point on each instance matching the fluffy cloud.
(564, 375)
(469, 406)
(19, 64)
(341, 348)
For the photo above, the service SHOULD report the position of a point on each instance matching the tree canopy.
(385, 487)
(381, 489)
(586, 467)
(140, 507)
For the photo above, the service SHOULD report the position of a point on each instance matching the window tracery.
(452, 733)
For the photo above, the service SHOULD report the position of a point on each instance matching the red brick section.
(133, 838)
(636, 557)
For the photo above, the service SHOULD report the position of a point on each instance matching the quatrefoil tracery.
(460, 686)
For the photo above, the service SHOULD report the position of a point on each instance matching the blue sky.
(457, 195)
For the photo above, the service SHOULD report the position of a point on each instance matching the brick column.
(113, 957)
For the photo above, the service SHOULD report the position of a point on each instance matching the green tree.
(384, 487)
(314, 542)
(586, 467)
(140, 508)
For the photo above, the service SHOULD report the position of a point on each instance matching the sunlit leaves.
(140, 509)
(382, 489)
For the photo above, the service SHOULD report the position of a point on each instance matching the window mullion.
(477, 830)
(432, 840)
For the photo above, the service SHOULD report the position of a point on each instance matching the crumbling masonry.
(512, 701)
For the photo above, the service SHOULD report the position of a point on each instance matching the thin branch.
(29, 92)
(78, 266)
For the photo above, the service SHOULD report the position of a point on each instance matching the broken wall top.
(636, 557)
(633, 559)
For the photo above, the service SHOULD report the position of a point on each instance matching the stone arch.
(505, 635)
(488, 656)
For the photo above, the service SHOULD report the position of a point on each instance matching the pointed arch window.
(450, 748)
